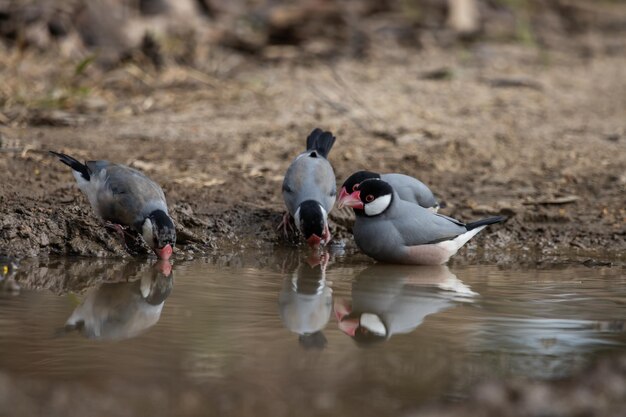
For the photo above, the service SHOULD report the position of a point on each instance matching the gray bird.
(393, 230)
(123, 310)
(309, 189)
(408, 188)
(127, 198)
(395, 299)
(305, 303)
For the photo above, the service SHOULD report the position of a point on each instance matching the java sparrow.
(126, 197)
(122, 310)
(392, 230)
(309, 189)
(408, 188)
(395, 299)
(305, 303)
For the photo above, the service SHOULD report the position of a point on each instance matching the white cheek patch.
(324, 214)
(144, 286)
(146, 232)
(377, 206)
(373, 323)
(296, 218)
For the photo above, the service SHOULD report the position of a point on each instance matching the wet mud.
(551, 160)
(532, 130)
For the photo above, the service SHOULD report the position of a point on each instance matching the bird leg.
(326, 236)
(286, 224)
(122, 233)
(118, 228)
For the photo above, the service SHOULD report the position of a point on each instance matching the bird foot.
(286, 224)
(118, 228)
(122, 233)
(326, 236)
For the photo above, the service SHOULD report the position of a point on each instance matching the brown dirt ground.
(538, 135)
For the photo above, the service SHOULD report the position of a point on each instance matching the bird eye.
(369, 198)
(355, 187)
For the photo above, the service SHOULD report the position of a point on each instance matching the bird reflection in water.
(123, 310)
(305, 301)
(395, 299)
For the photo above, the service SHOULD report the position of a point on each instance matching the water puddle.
(278, 335)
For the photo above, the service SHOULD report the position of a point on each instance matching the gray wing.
(95, 167)
(126, 195)
(309, 178)
(411, 189)
(419, 226)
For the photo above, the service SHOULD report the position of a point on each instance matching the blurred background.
(166, 32)
(217, 38)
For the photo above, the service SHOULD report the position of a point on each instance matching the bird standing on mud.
(408, 188)
(393, 230)
(125, 197)
(309, 189)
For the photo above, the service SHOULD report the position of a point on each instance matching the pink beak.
(350, 200)
(343, 194)
(164, 253)
(314, 241)
(342, 308)
(349, 326)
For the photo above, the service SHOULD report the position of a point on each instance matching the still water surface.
(286, 338)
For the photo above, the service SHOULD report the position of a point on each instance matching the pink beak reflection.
(164, 266)
(342, 309)
(164, 253)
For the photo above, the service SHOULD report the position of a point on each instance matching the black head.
(364, 338)
(311, 220)
(158, 231)
(376, 197)
(160, 288)
(312, 341)
(357, 178)
(366, 329)
(165, 231)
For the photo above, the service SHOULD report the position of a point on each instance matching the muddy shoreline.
(550, 158)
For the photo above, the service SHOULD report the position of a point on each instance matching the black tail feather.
(310, 141)
(74, 164)
(484, 222)
(320, 141)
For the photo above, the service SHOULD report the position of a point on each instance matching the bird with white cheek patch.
(309, 189)
(125, 197)
(393, 230)
(408, 188)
